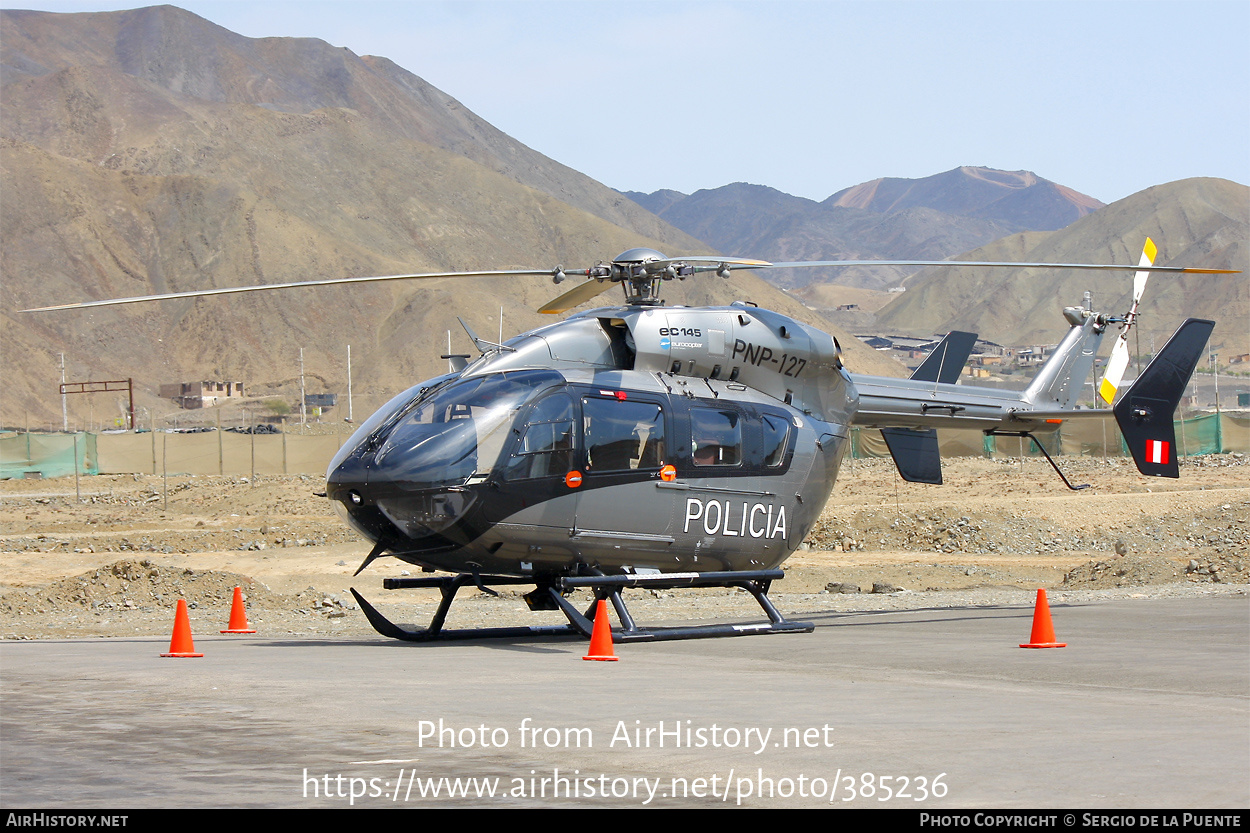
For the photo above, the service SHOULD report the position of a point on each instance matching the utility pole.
(303, 415)
(1137, 336)
(1215, 374)
(349, 383)
(64, 410)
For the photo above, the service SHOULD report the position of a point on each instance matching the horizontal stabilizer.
(1145, 412)
(915, 453)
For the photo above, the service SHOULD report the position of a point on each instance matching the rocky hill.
(152, 151)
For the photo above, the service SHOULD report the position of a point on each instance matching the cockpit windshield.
(386, 413)
(456, 431)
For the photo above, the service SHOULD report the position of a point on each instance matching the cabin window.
(776, 430)
(717, 437)
(622, 435)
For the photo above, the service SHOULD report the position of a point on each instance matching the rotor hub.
(642, 272)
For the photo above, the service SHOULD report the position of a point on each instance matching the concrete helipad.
(926, 709)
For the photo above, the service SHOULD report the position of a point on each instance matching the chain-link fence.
(209, 452)
(225, 452)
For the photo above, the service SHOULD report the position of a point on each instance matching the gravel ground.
(112, 559)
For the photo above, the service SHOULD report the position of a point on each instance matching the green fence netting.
(47, 455)
(52, 455)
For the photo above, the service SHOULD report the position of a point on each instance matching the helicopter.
(651, 446)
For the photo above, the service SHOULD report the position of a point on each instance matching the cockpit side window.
(547, 439)
(623, 435)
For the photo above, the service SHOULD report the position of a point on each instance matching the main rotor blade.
(1113, 267)
(713, 262)
(199, 293)
(591, 288)
(579, 294)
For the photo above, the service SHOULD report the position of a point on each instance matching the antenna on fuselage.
(482, 344)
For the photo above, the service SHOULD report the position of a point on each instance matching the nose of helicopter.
(414, 469)
(347, 487)
(343, 473)
(394, 501)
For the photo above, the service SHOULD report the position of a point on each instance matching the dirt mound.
(1004, 507)
(1200, 521)
(136, 585)
(138, 597)
(1140, 571)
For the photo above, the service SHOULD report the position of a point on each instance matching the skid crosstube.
(551, 595)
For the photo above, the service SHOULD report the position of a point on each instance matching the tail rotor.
(1118, 362)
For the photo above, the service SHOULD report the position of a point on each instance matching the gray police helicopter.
(644, 445)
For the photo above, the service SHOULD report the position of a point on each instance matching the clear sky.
(1105, 96)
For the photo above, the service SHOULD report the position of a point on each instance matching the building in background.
(191, 395)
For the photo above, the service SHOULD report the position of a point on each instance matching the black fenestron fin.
(1144, 413)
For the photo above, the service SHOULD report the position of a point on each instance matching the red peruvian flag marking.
(1157, 451)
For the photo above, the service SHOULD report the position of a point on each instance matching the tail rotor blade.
(1116, 366)
(1118, 362)
(1148, 253)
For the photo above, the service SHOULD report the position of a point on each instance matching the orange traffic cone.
(601, 636)
(238, 615)
(1043, 635)
(181, 644)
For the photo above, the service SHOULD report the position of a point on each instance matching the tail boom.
(1144, 413)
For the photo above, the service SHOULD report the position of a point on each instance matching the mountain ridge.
(119, 184)
(889, 218)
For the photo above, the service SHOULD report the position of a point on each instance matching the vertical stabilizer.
(1144, 413)
(947, 360)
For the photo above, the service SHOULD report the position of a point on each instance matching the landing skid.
(550, 595)
(1045, 454)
